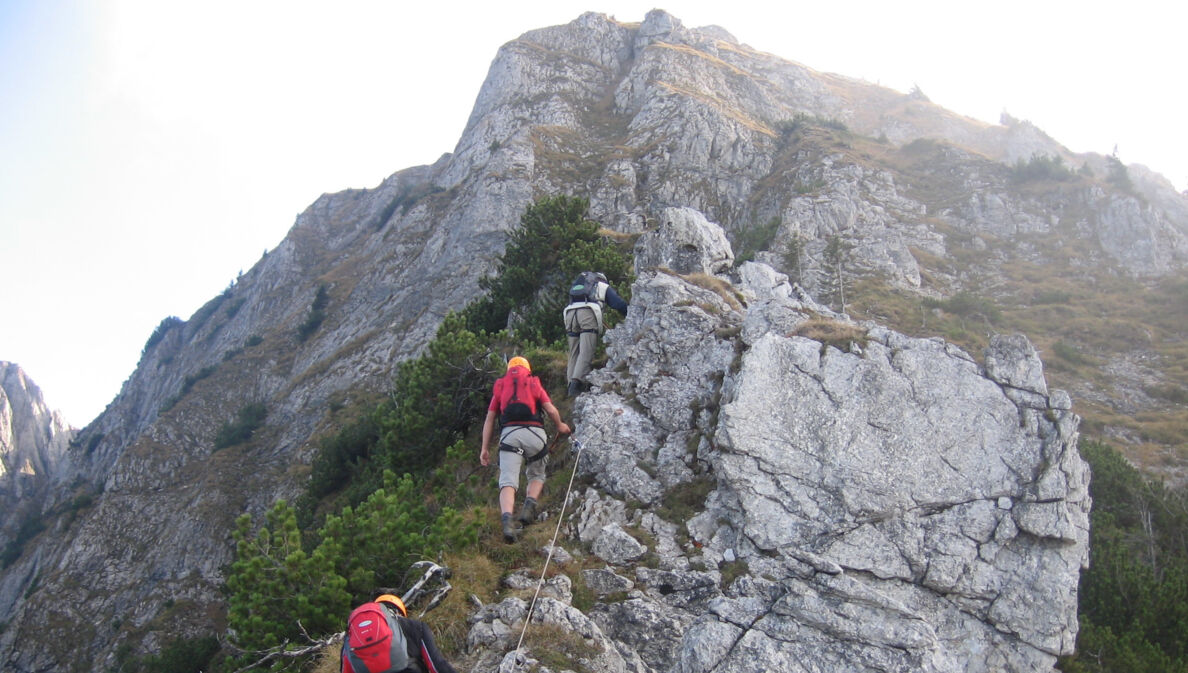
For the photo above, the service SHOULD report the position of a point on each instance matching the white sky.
(152, 150)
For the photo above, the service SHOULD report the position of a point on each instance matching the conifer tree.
(274, 584)
(1134, 596)
(835, 252)
(792, 258)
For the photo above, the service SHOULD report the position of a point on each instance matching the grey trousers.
(582, 347)
(529, 440)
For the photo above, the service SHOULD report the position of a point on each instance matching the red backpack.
(374, 641)
(517, 399)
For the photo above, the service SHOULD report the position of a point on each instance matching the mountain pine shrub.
(248, 419)
(374, 543)
(281, 582)
(1041, 167)
(340, 454)
(753, 239)
(31, 525)
(801, 121)
(967, 305)
(1134, 597)
(317, 314)
(1117, 175)
(274, 583)
(159, 333)
(182, 655)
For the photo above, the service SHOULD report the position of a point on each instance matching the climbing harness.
(534, 457)
(527, 459)
(573, 327)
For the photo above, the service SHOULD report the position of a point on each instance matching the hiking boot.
(528, 513)
(509, 529)
(575, 388)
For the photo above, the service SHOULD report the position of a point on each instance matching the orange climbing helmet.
(393, 600)
(519, 361)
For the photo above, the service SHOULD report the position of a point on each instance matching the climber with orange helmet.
(517, 402)
(382, 638)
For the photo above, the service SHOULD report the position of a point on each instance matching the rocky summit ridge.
(838, 518)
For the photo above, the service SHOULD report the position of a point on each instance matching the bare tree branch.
(280, 651)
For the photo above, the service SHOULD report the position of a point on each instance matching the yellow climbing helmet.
(518, 361)
(393, 600)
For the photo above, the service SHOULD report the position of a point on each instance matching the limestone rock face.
(875, 503)
(658, 115)
(684, 244)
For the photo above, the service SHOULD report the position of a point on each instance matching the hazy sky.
(151, 150)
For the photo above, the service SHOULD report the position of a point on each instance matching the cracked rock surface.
(876, 503)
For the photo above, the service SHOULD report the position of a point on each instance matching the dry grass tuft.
(619, 236)
(328, 661)
(714, 284)
(709, 58)
(715, 102)
(831, 333)
(472, 574)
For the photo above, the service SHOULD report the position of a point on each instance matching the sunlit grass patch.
(830, 332)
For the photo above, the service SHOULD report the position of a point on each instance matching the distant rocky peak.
(656, 25)
(33, 437)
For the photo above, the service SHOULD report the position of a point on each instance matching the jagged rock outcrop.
(683, 243)
(33, 437)
(33, 440)
(875, 503)
(661, 126)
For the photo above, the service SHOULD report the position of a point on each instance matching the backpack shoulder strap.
(400, 656)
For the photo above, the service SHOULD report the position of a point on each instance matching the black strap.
(578, 333)
(527, 459)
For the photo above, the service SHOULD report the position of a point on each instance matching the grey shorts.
(532, 441)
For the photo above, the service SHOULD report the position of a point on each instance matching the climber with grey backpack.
(588, 296)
